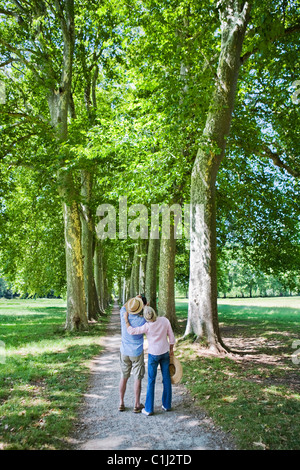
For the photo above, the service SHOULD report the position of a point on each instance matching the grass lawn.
(255, 396)
(43, 373)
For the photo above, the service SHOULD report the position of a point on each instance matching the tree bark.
(166, 291)
(203, 313)
(92, 303)
(126, 281)
(143, 264)
(125, 290)
(76, 318)
(151, 272)
(59, 101)
(99, 274)
(106, 282)
(135, 273)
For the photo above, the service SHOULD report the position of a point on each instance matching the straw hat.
(175, 370)
(149, 314)
(134, 305)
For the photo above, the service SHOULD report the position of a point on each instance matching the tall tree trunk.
(135, 273)
(126, 281)
(151, 272)
(106, 281)
(99, 274)
(166, 291)
(120, 289)
(203, 314)
(143, 264)
(126, 290)
(92, 303)
(59, 101)
(76, 312)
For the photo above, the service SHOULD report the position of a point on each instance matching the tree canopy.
(161, 102)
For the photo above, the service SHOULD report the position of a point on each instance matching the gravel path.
(102, 427)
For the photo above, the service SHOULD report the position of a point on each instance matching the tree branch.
(286, 32)
(9, 61)
(8, 13)
(26, 116)
(18, 5)
(13, 14)
(274, 156)
(62, 18)
(22, 58)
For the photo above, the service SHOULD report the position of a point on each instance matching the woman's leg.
(152, 371)
(167, 386)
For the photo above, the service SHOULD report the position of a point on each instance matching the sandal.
(138, 409)
(122, 408)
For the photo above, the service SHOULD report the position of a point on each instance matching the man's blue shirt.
(132, 345)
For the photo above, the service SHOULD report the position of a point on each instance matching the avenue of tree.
(164, 102)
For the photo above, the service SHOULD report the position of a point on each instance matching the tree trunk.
(203, 314)
(99, 274)
(126, 292)
(166, 291)
(92, 303)
(76, 312)
(106, 283)
(120, 289)
(59, 102)
(135, 273)
(143, 264)
(126, 281)
(151, 272)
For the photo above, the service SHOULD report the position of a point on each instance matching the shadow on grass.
(44, 375)
(260, 414)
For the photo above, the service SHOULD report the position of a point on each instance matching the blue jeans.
(153, 361)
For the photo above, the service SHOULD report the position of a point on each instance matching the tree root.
(218, 348)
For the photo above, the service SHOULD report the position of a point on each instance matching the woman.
(158, 330)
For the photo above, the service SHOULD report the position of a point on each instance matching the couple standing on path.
(137, 319)
(100, 425)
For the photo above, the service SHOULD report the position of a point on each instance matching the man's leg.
(122, 388)
(138, 368)
(125, 365)
(137, 392)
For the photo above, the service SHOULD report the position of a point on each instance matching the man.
(132, 351)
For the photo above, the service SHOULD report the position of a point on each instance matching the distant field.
(283, 302)
(273, 309)
(291, 302)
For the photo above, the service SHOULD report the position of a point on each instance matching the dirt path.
(102, 427)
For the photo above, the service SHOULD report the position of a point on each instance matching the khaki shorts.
(134, 363)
